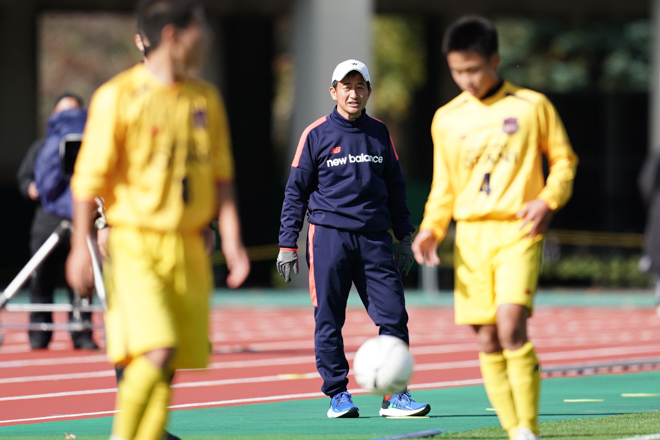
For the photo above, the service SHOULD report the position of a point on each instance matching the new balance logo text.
(354, 159)
(336, 162)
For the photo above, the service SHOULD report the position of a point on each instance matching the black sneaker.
(84, 341)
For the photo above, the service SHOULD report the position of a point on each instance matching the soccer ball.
(383, 365)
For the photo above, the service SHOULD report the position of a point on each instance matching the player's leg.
(329, 260)
(474, 300)
(42, 286)
(516, 277)
(378, 282)
(141, 329)
(494, 372)
(152, 412)
(143, 397)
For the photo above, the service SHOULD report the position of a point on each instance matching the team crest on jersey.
(200, 118)
(510, 126)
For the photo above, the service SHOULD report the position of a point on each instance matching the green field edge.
(568, 407)
(414, 298)
(601, 428)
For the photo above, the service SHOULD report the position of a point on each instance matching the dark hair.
(334, 83)
(154, 15)
(78, 99)
(471, 33)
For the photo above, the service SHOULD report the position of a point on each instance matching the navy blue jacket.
(347, 173)
(52, 183)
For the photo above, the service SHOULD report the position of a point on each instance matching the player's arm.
(79, 273)
(229, 228)
(439, 206)
(302, 181)
(94, 166)
(562, 164)
(397, 204)
(397, 200)
(222, 162)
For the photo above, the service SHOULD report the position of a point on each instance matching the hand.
(287, 259)
(102, 236)
(79, 273)
(33, 192)
(539, 214)
(209, 239)
(425, 248)
(238, 263)
(404, 254)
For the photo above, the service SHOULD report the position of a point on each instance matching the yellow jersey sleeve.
(562, 160)
(98, 153)
(439, 206)
(222, 159)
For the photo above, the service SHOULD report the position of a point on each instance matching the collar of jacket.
(348, 124)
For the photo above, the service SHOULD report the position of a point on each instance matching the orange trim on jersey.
(289, 249)
(303, 139)
(391, 141)
(312, 280)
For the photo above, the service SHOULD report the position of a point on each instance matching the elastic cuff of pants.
(521, 352)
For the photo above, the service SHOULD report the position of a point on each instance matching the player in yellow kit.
(488, 176)
(157, 148)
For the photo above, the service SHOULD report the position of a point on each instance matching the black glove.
(287, 259)
(404, 254)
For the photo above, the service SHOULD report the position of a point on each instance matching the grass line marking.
(643, 437)
(583, 400)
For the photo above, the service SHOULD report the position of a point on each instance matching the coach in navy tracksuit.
(346, 173)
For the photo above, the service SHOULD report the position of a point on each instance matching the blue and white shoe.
(342, 405)
(403, 405)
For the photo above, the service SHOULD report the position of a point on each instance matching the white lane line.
(60, 416)
(54, 361)
(276, 378)
(446, 384)
(418, 367)
(250, 400)
(643, 437)
(62, 394)
(548, 356)
(90, 375)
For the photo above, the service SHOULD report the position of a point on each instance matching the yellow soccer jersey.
(154, 152)
(488, 157)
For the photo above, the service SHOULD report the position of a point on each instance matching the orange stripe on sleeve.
(391, 141)
(303, 139)
(394, 148)
(312, 280)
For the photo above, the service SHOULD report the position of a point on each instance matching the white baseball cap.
(349, 66)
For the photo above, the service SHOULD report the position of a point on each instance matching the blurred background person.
(649, 188)
(45, 278)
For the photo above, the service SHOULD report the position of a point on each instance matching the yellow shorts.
(158, 289)
(494, 265)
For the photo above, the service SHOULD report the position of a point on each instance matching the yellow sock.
(525, 379)
(155, 416)
(494, 373)
(136, 389)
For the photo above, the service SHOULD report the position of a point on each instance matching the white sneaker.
(525, 434)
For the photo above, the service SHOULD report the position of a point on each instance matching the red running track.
(265, 355)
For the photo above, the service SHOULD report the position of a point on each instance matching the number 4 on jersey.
(485, 185)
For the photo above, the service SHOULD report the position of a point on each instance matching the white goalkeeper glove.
(287, 260)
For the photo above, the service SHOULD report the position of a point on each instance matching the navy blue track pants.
(337, 259)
